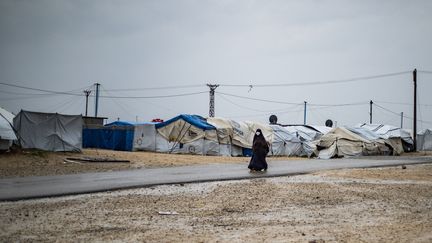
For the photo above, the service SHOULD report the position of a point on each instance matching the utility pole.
(87, 93)
(415, 110)
(97, 99)
(212, 102)
(304, 113)
(370, 111)
(401, 119)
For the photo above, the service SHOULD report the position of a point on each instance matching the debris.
(167, 213)
(97, 160)
(403, 167)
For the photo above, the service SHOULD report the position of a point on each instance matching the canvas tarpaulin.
(399, 138)
(49, 131)
(342, 142)
(7, 134)
(187, 134)
(186, 128)
(144, 137)
(284, 142)
(115, 136)
(424, 140)
(6, 130)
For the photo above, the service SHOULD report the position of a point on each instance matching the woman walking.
(260, 149)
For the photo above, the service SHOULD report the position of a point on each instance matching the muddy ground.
(19, 163)
(359, 205)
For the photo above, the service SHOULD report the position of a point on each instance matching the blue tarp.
(115, 136)
(195, 120)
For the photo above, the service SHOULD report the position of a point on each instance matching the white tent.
(394, 145)
(395, 135)
(340, 142)
(49, 131)
(424, 140)
(7, 134)
(285, 143)
(308, 135)
(187, 134)
(225, 134)
(144, 137)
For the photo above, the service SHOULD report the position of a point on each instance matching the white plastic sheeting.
(424, 140)
(49, 131)
(144, 137)
(7, 134)
(341, 142)
(285, 143)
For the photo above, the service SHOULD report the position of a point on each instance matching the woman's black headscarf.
(259, 140)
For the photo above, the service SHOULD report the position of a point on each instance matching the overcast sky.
(68, 46)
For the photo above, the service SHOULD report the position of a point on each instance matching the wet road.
(50, 186)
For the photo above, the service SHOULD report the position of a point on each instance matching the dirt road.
(360, 205)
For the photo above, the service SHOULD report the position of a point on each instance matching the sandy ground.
(358, 205)
(39, 163)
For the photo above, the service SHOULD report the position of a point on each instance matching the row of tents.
(193, 134)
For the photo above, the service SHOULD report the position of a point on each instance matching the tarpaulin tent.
(340, 142)
(114, 136)
(385, 146)
(144, 138)
(7, 134)
(49, 131)
(424, 140)
(395, 135)
(188, 134)
(309, 136)
(225, 134)
(285, 143)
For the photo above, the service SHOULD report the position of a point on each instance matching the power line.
(398, 114)
(256, 99)
(41, 90)
(151, 97)
(424, 71)
(318, 82)
(335, 105)
(248, 108)
(161, 87)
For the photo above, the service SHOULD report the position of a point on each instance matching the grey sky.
(69, 45)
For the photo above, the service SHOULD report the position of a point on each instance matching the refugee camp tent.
(386, 146)
(7, 134)
(340, 142)
(117, 135)
(309, 136)
(144, 138)
(187, 134)
(225, 134)
(395, 135)
(285, 143)
(424, 140)
(49, 131)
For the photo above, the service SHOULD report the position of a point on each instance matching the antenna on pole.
(212, 102)
(87, 93)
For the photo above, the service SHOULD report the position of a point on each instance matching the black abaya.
(260, 149)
